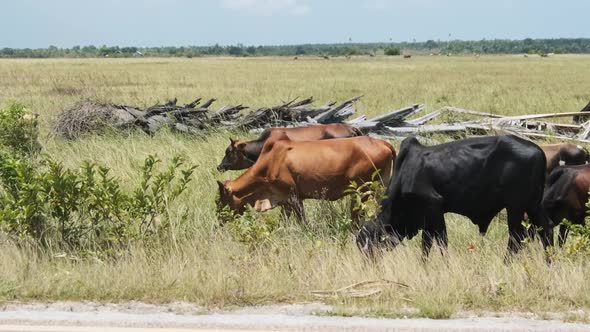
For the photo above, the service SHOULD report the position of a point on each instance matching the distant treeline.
(497, 46)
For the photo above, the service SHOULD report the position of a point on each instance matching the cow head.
(235, 157)
(238, 204)
(367, 238)
(374, 235)
(227, 198)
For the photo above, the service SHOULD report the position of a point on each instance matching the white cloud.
(268, 7)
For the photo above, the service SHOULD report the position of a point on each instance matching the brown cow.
(241, 154)
(564, 154)
(566, 195)
(288, 172)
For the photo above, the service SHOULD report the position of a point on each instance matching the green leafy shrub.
(367, 197)
(392, 51)
(86, 209)
(21, 203)
(18, 131)
(83, 209)
(251, 228)
(341, 229)
(578, 242)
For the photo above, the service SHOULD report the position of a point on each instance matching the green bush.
(86, 209)
(367, 197)
(251, 228)
(392, 51)
(18, 131)
(21, 205)
(352, 51)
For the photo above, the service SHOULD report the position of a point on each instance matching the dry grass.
(206, 266)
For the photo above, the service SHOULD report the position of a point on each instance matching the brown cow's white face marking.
(262, 205)
(561, 163)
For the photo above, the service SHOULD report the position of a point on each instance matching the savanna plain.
(270, 259)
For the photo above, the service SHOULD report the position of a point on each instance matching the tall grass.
(206, 265)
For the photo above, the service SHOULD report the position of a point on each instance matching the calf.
(475, 177)
(288, 172)
(243, 154)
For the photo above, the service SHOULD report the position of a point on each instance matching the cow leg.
(287, 211)
(540, 218)
(297, 206)
(541, 222)
(442, 239)
(427, 236)
(557, 214)
(435, 225)
(516, 230)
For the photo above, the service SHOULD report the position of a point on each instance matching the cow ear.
(232, 141)
(241, 146)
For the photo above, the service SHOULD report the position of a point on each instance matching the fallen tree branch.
(545, 116)
(465, 111)
(360, 289)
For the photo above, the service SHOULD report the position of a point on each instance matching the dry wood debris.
(196, 118)
(527, 126)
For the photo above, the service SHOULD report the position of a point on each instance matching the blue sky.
(65, 23)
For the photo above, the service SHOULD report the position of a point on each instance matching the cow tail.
(393, 158)
(392, 149)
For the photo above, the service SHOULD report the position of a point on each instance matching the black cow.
(475, 177)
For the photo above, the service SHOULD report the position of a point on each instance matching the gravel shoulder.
(135, 316)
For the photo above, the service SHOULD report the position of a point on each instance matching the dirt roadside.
(139, 317)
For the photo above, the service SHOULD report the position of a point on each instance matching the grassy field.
(207, 266)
